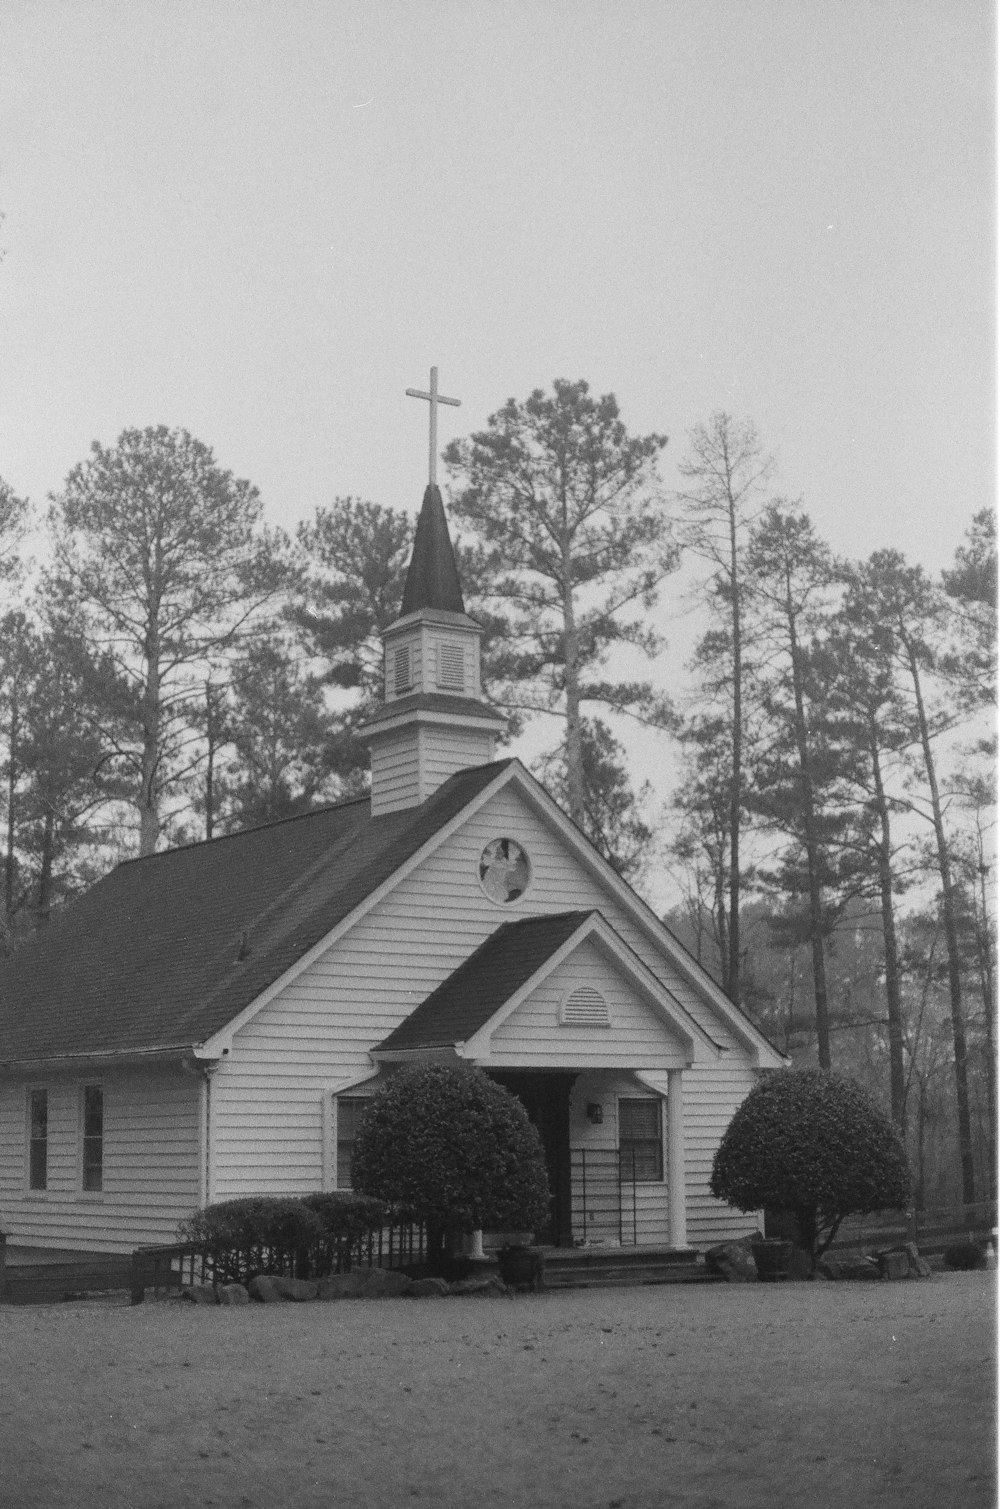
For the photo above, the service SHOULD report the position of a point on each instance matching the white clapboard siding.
(710, 1099)
(445, 750)
(395, 772)
(651, 1227)
(268, 1115)
(151, 1162)
(636, 1038)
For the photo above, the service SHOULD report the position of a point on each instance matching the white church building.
(209, 1021)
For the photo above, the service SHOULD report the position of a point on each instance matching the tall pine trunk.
(893, 996)
(812, 847)
(149, 815)
(575, 785)
(732, 983)
(949, 925)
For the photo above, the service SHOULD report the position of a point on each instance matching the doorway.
(545, 1094)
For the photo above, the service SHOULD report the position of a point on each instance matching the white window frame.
(90, 1084)
(342, 1095)
(661, 1178)
(31, 1090)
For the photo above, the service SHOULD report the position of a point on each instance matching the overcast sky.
(264, 221)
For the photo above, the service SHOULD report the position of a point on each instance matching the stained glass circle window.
(504, 870)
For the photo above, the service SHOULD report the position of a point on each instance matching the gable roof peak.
(432, 579)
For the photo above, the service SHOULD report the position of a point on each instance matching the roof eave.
(107, 1058)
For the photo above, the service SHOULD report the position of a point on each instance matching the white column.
(675, 1158)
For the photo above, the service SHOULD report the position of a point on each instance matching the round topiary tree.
(456, 1149)
(813, 1145)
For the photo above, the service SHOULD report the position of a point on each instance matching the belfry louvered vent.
(451, 666)
(585, 1007)
(402, 675)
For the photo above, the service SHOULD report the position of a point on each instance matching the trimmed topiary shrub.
(814, 1145)
(455, 1149)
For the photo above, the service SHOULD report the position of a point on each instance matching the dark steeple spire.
(432, 580)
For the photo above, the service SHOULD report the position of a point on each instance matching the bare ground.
(765, 1395)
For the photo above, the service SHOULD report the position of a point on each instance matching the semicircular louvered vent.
(585, 1007)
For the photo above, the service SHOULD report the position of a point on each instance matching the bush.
(347, 1220)
(256, 1234)
(455, 1149)
(965, 1256)
(813, 1145)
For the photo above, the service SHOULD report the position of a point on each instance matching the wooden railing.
(932, 1230)
(179, 1265)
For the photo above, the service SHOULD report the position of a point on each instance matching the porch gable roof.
(481, 986)
(484, 990)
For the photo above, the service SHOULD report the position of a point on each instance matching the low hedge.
(276, 1234)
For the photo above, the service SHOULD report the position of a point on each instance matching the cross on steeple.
(433, 398)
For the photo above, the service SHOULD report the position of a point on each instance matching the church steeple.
(433, 722)
(432, 580)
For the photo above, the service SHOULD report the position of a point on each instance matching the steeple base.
(415, 754)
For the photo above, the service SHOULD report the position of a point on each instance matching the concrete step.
(585, 1276)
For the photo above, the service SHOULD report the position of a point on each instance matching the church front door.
(545, 1093)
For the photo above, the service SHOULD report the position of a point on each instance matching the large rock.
(859, 1268)
(364, 1283)
(734, 1261)
(297, 1289)
(904, 1261)
(201, 1294)
(428, 1288)
(264, 1289)
(268, 1288)
(485, 1286)
(800, 1264)
(233, 1294)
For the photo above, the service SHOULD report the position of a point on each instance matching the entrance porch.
(614, 1149)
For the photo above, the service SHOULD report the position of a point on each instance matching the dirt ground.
(761, 1395)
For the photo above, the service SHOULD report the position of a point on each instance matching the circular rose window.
(504, 870)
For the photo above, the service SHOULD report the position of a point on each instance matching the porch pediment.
(558, 990)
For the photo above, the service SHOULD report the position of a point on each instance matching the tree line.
(174, 669)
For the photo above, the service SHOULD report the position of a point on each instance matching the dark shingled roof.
(432, 580)
(149, 958)
(434, 702)
(477, 989)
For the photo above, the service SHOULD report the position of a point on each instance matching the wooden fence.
(932, 1230)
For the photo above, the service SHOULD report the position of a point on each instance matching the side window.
(38, 1139)
(350, 1109)
(640, 1140)
(93, 1137)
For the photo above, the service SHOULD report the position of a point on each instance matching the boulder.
(485, 1286)
(734, 1261)
(800, 1264)
(859, 1268)
(893, 1264)
(428, 1288)
(233, 1294)
(364, 1283)
(916, 1266)
(201, 1294)
(265, 1289)
(297, 1289)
